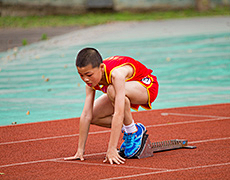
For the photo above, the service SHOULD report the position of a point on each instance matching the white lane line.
(191, 115)
(107, 131)
(29, 162)
(96, 154)
(188, 122)
(53, 137)
(111, 165)
(46, 160)
(169, 170)
(38, 139)
(209, 140)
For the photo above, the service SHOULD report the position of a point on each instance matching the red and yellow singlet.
(140, 73)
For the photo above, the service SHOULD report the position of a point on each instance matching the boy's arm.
(118, 80)
(85, 120)
(86, 117)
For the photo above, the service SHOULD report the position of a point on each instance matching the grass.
(24, 42)
(91, 19)
(44, 37)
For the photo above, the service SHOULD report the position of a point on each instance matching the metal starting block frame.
(147, 148)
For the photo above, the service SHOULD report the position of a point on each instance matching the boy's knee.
(111, 93)
(94, 120)
(127, 102)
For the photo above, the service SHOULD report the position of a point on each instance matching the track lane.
(211, 156)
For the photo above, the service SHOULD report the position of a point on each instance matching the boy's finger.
(116, 161)
(123, 159)
(68, 158)
(111, 161)
(105, 160)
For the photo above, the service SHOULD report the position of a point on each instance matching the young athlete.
(126, 83)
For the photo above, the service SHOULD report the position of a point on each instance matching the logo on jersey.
(146, 80)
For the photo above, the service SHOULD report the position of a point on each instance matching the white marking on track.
(54, 137)
(95, 154)
(191, 115)
(107, 131)
(169, 170)
(111, 165)
(209, 140)
(29, 162)
(188, 122)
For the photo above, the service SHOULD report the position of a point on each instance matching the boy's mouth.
(89, 84)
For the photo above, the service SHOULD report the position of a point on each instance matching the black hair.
(88, 56)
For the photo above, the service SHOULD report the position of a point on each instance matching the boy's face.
(91, 76)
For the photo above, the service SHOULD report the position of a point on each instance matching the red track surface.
(36, 150)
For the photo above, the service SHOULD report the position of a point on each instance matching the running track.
(36, 150)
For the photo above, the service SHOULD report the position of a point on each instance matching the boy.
(126, 83)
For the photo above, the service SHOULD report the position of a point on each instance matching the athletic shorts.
(151, 84)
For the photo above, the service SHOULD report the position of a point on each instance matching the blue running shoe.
(142, 126)
(122, 148)
(133, 141)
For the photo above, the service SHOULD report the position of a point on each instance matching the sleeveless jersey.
(139, 70)
(140, 74)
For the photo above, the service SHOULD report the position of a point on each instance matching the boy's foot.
(122, 148)
(142, 126)
(133, 141)
(123, 145)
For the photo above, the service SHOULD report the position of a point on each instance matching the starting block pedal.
(147, 148)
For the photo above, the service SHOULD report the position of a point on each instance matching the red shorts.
(151, 84)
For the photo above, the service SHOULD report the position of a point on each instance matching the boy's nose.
(86, 79)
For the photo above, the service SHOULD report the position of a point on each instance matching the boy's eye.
(89, 75)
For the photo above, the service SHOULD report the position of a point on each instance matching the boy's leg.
(102, 112)
(135, 94)
(103, 108)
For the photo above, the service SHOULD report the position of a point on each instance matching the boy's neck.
(103, 80)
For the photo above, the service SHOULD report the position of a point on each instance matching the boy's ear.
(102, 66)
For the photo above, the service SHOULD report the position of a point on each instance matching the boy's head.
(90, 66)
(88, 56)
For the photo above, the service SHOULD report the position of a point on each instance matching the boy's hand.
(113, 156)
(77, 156)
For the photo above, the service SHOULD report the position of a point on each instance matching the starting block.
(147, 148)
